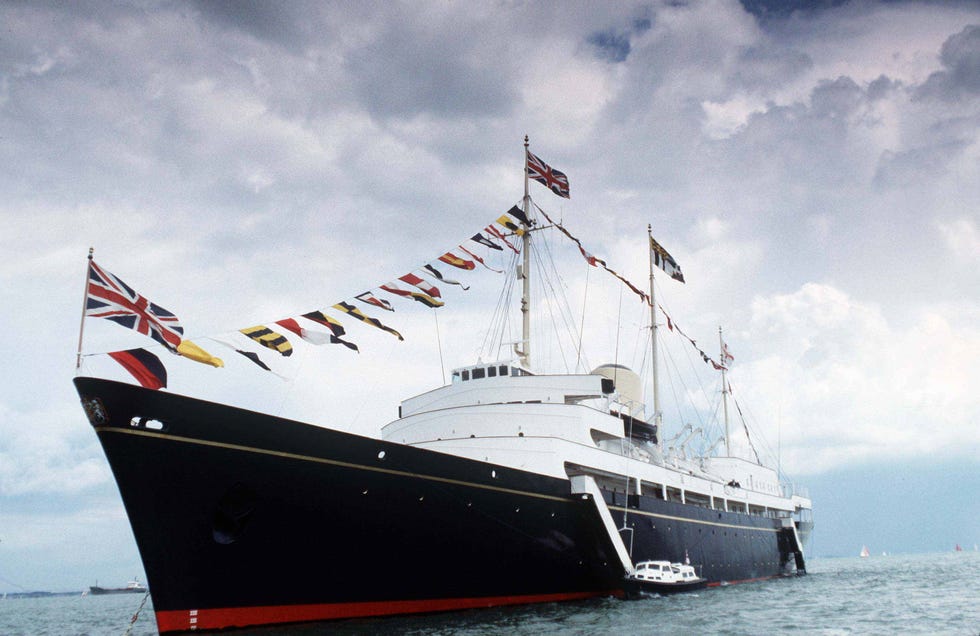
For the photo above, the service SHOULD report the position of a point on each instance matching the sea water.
(902, 594)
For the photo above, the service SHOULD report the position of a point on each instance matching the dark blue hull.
(243, 518)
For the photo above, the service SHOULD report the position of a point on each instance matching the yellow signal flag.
(269, 338)
(511, 225)
(193, 352)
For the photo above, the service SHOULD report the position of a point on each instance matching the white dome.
(628, 384)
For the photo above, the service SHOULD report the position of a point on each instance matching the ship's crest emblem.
(95, 411)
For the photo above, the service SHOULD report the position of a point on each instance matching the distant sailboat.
(864, 552)
(958, 548)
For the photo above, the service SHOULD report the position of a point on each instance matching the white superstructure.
(568, 425)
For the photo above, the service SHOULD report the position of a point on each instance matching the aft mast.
(724, 392)
(657, 415)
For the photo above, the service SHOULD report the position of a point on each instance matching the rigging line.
(290, 382)
(500, 323)
(581, 331)
(564, 306)
(757, 431)
(568, 314)
(493, 318)
(558, 299)
(546, 280)
(643, 370)
(442, 363)
(499, 317)
(679, 378)
(619, 322)
(694, 371)
(746, 428)
(640, 344)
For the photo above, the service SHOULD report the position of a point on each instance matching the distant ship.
(548, 487)
(864, 552)
(133, 587)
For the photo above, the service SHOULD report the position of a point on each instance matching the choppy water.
(917, 594)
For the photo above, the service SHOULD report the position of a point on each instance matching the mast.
(657, 415)
(525, 351)
(81, 326)
(724, 392)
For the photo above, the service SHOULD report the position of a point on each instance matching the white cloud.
(848, 386)
(723, 119)
(47, 450)
(963, 239)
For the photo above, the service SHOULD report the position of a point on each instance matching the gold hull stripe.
(330, 462)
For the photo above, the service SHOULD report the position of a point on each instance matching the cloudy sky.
(816, 173)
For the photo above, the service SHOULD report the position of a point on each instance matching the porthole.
(381, 455)
(143, 422)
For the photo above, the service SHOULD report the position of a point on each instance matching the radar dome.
(627, 384)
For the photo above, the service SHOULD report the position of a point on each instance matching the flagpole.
(657, 417)
(81, 327)
(525, 352)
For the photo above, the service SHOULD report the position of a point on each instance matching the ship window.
(466, 376)
(478, 373)
(503, 369)
(491, 372)
(456, 377)
(514, 371)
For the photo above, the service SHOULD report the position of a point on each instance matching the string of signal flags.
(108, 296)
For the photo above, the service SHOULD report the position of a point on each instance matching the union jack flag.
(545, 174)
(109, 297)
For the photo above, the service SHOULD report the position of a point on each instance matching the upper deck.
(562, 425)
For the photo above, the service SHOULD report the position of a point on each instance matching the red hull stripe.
(220, 618)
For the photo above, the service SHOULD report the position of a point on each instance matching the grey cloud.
(406, 71)
(759, 67)
(610, 45)
(282, 23)
(613, 44)
(960, 77)
(836, 99)
(909, 167)
(780, 9)
(882, 87)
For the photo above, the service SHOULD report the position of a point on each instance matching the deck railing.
(791, 489)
